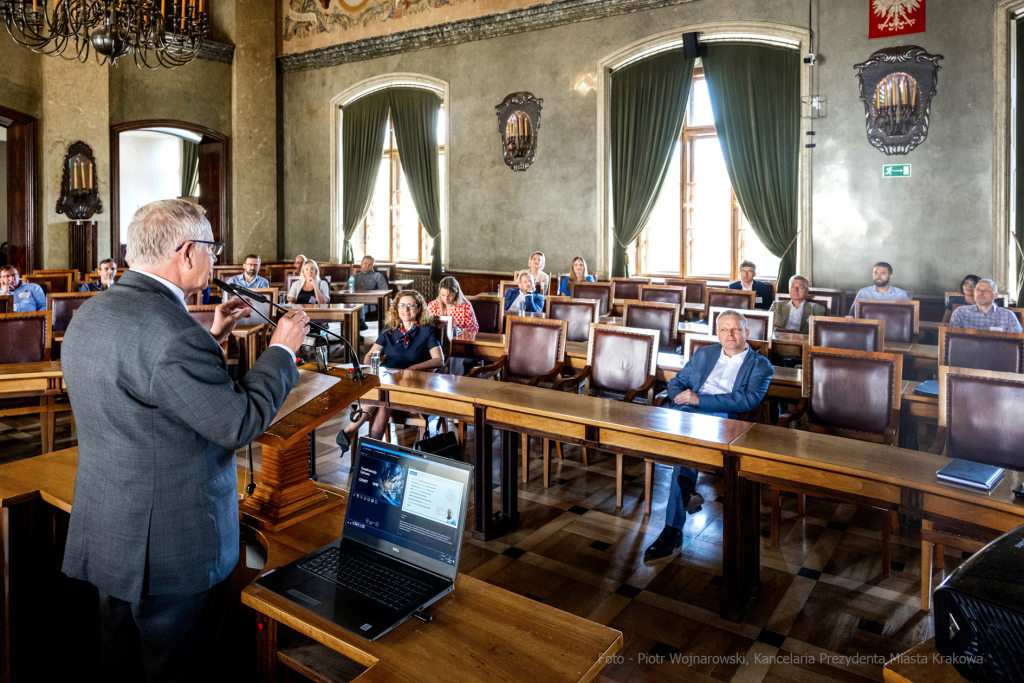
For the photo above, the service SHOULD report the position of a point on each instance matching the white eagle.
(894, 13)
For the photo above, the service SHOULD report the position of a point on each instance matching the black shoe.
(692, 501)
(343, 442)
(666, 544)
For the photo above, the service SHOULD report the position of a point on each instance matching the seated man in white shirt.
(722, 380)
(250, 277)
(881, 275)
(763, 297)
(792, 315)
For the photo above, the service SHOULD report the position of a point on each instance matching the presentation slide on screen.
(432, 497)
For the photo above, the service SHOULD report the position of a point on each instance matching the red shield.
(895, 17)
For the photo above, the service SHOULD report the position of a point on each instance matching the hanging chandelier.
(165, 33)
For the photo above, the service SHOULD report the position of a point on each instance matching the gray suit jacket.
(782, 308)
(156, 507)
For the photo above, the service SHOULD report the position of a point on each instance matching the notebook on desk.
(400, 550)
(974, 474)
(927, 388)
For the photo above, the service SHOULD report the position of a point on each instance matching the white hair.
(992, 284)
(160, 227)
(799, 277)
(743, 319)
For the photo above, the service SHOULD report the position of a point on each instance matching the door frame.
(22, 187)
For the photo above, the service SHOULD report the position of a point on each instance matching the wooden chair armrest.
(572, 381)
(797, 413)
(892, 428)
(661, 400)
(938, 446)
(550, 377)
(496, 366)
(642, 389)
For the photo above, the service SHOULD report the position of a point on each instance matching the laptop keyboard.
(378, 583)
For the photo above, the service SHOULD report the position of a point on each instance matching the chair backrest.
(64, 306)
(838, 298)
(1019, 312)
(650, 315)
(601, 291)
(73, 272)
(694, 289)
(760, 322)
(506, 285)
(579, 313)
(847, 333)
(620, 358)
(534, 346)
(7, 303)
(276, 273)
(288, 280)
(828, 301)
(51, 283)
(227, 272)
(388, 270)
(628, 287)
(980, 410)
(852, 393)
(204, 315)
(739, 299)
(664, 294)
(901, 317)
(267, 310)
(999, 301)
(949, 294)
(25, 337)
(489, 312)
(338, 272)
(981, 349)
(693, 342)
(445, 326)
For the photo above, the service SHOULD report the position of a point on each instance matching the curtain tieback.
(790, 245)
(1017, 242)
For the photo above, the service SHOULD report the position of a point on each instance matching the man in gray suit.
(154, 525)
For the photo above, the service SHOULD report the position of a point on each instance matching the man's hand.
(292, 329)
(227, 316)
(687, 398)
(3, 290)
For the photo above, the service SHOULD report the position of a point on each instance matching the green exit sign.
(896, 171)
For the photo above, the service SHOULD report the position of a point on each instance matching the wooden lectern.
(286, 495)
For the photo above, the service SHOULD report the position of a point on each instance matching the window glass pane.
(700, 113)
(709, 215)
(751, 249)
(659, 242)
(407, 223)
(378, 237)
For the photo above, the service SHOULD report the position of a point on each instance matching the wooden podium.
(286, 495)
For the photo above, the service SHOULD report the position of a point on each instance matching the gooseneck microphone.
(238, 290)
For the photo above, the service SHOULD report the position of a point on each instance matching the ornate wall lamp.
(79, 200)
(519, 124)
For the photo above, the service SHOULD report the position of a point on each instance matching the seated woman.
(578, 273)
(967, 287)
(409, 341)
(310, 289)
(536, 269)
(452, 302)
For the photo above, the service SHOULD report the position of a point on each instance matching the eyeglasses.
(408, 306)
(969, 284)
(215, 247)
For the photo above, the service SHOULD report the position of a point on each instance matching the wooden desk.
(914, 409)
(380, 297)
(692, 310)
(30, 380)
(347, 315)
(921, 664)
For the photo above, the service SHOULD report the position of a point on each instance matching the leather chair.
(267, 310)
(289, 280)
(694, 289)
(337, 272)
(693, 342)
(7, 303)
(52, 283)
(901, 317)
(981, 349)
(578, 313)
(205, 315)
(601, 291)
(664, 295)
(853, 394)
(737, 299)
(628, 287)
(64, 306)
(828, 301)
(1019, 312)
(26, 338)
(979, 421)
(838, 297)
(506, 285)
(760, 322)
(490, 312)
(534, 355)
(664, 318)
(846, 333)
(277, 274)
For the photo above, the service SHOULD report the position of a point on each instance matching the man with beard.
(881, 274)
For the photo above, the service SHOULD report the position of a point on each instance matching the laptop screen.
(409, 505)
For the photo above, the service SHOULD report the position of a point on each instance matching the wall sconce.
(519, 124)
(585, 84)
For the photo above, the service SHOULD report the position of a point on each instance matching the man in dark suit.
(154, 524)
(723, 380)
(763, 291)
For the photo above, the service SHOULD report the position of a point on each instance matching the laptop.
(400, 551)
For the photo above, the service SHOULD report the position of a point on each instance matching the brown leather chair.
(534, 355)
(698, 341)
(490, 312)
(838, 297)
(901, 317)
(205, 315)
(7, 303)
(649, 315)
(64, 306)
(737, 299)
(853, 394)
(25, 337)
(760, 322)
(694, 288)
(1000, 301)
(267, 310)
(601, 291)
(506, 285)
(628, 287)
(336, 271)
(664, 295)
(981, 349)
(1019, 312)
(53, 283)
(388, 270)
(978, 421)
(579, 313)
(827, 301)
(277, 273)
(846, 333)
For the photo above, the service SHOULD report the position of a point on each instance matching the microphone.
(238, 290)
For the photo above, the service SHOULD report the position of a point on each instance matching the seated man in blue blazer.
(722, 380)
(763, 297)
(533, 302)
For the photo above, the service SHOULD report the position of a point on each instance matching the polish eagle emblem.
(894, 13)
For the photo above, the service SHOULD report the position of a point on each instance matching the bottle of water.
(351, 283)
(522, 306)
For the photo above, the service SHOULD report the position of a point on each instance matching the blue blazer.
(534, 302)
(751, 383)
(762, 290)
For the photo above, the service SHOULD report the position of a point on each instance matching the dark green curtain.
(648, 105)
(414, 114)
(363, 123)
(1018, 228)
(189, 168)
(755, 97)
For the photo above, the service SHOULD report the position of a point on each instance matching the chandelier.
(165, 33)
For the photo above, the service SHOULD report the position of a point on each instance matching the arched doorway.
(214, 178)
(22, 164)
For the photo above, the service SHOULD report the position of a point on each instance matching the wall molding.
(1002, 183)
(213, 51)
(546, 15)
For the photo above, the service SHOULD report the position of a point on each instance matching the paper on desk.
(310, 385)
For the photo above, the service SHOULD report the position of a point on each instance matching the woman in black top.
(310, 289)
(967, 287)
(409, 342)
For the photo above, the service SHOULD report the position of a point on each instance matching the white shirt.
(795, 315)
(743, 286)
(723, 375)
(518, 300)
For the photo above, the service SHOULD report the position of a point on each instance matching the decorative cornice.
(216, 52)
(546, 15)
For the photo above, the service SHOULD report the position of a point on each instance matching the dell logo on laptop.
(394, 548)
